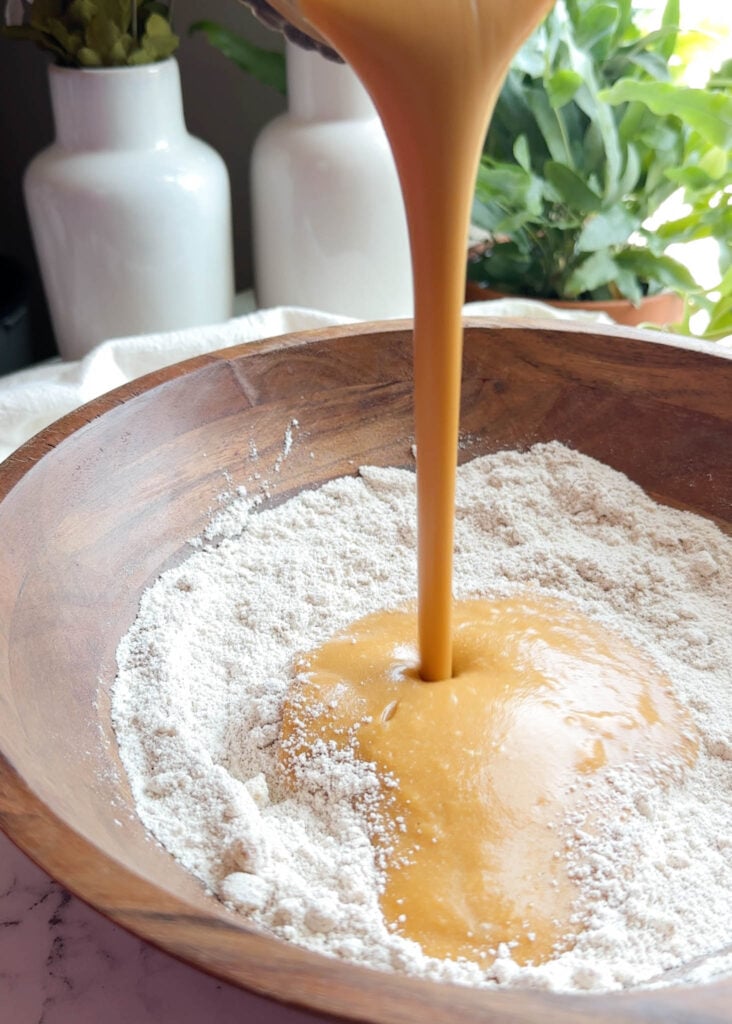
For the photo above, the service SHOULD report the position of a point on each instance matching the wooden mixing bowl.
(93, 508)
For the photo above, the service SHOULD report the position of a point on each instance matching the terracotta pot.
(664, 310)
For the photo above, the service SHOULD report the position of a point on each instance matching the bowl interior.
(95, 507)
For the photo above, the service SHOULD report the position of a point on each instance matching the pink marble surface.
(62, 963)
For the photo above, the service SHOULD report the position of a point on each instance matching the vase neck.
(117, 108)
(321, 90)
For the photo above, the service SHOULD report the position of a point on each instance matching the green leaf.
(141, 55)
(571, 188)
(513, 117)
(522, 153)
(122, 49)
(551, 126)
(562, 86)
(267, 66)
(101, 36)
(589, 101)
(159, 33)
(631, 172)
(89, 58)
(714, 222)
(715, 163)
(596, 270)
(604, 230)
(508, 181)
(670, 22)
(158, 42)
(81, 12)
(709, 113)
(597, 26)
(157, 26)
(720, 324)
(725, 285)
(664, 270)
(652, 63)
(625, 20)
(116, 12)
(123, 15)
(593, 152)
(627, 284)
(70, 41)
(720, 321)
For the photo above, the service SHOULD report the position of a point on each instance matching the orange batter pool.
(488, 762)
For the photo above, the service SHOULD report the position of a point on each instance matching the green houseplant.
(592, 132)
(94, 33)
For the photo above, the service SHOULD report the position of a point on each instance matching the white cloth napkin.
(31, 399)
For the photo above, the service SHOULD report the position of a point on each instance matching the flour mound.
(205, 667)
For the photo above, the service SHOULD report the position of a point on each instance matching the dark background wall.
(223, 106)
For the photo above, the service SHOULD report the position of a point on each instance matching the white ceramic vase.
(328, 220)
(130, 215)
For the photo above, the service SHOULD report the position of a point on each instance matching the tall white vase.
(130, 215)
(329, 226)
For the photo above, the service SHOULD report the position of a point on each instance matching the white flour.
(203, 671)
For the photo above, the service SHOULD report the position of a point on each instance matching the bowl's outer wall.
(96, 506)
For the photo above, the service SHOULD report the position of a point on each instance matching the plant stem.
(565, 139)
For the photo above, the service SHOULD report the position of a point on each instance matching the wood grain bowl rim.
(236, 953)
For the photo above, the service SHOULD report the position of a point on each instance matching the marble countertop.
(63, 963)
